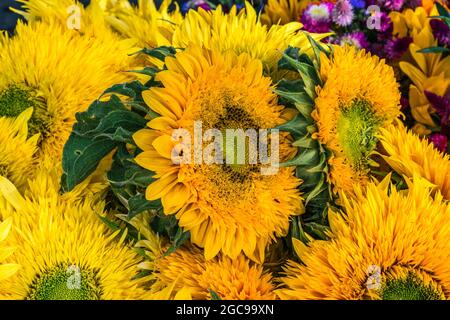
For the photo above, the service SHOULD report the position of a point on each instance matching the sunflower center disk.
(409, 288)
(15, 99)
(65, 282)
(356, 129)
(238, 154)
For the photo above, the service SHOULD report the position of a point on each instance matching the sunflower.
(427, 71)
(283, 11)
(359, 95)
(187, 271)
(16, 149)
(408, 155)
(388, 245)
(241, 32)
(6, 269)
(186, 274)
(81, 69)
(150, 26)
(66, 252)
(229, 207)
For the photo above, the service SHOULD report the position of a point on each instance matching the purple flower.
(412, 4)
(396, 47)
(440, 104)
(439, 141)
(317, 17)
(358, 4)
(195, 4)
(395, 5)
(343, 13)
(441, 32)
(357, 39)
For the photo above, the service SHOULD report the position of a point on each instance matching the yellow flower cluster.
(100, 201)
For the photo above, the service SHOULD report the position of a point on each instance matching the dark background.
(8, 19)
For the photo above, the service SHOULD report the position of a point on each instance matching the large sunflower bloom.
(64, 250)
(241, 32)
(359, 95)
(427, 71)
(149, 25)
(389, 245)
(81, 69)
(226, 207)
(186, 274)
(408, 155)
(231, 279)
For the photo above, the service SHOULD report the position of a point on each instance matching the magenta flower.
(441, 32)
(317, 17)
(440, 104)
(439, 141)
(343, 13)
(396, 47)
(356, 39)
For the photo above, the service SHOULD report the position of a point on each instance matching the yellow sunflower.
(359, 95)
(427, 71)
(283, 11)
(229, 207)
(388, 245)
(150, 26)
(16, 149)
(241, 32)
(89, 21)
(57, 72)
(187, 271)
(186, 274)
(408, 155)
(64, 250)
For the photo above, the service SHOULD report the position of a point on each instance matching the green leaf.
(296, 126)
(138, 204)
(214, 295)
(129, 89)
(305, 158)
(165, 225)
(80, 158)
(441, 9)
(149, 71)
(434, 50)
(124, 119)
(159, 53)
(305, 142)
(178, 240)
(318, 231)
(120, 135)
(296, 230)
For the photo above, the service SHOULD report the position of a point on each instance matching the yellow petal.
(156, 105)
(7, 270)
(144, 138)
(183, 294)
(175, 199)
(162, 123)
(5, 227)
(160, 187)
(164, 146)
(152, 160)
